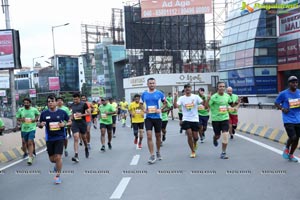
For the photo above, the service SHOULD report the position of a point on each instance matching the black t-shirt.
(79, 108)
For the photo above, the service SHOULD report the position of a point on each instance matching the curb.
(17, 153)
(276, 135)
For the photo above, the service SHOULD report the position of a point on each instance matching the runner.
(106, 110)
(189, 103)
(180, 114)
(233, 112)
(203, 115)
(165, 108)
(170, 101)
(123, 107)
(28, 116)
(136, 110)
(94, 113)
(288, 101)
(152, 99)
(114, 116)
(60, 105)
(88, 119)
(219, 103)
(55, 120)
(79, 111)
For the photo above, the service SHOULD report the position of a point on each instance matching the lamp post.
(54, 56)
(32, 71)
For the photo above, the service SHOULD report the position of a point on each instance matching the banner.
(6, 49)
(162, 8)
(53, 83)
(32, 93)
(289, 23)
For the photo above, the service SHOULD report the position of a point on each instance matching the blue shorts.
(203, 120)
(28, 135)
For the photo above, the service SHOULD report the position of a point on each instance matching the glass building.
(248, 58)
(68, 73)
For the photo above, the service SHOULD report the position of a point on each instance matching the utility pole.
(11, 71)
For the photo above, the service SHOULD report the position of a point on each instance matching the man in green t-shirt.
(203, 115)
(166, 107)
(28, 116)
(233, 112)
(219, 103)
(170, 101)
(106, 111)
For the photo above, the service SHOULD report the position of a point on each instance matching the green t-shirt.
(1, 123)
(234, 98)
(29, 115)
(169, 99)
(219, 107)
(66, 109)
(104, 118)
(201, 109)
(164, 115)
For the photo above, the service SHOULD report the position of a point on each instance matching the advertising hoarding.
(53, 83)
(162, 8)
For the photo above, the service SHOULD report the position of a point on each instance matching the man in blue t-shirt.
(152, 99)
(288, 101)
(55, 120)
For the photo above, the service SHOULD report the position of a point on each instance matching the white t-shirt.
(189, 107)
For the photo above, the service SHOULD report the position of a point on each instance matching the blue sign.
(266, 80)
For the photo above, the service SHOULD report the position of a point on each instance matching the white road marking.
(135, 160)
(117, 194)
(17, 162)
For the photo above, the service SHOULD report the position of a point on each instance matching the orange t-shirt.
(88, 118)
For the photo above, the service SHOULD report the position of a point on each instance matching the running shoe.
(57, 180)
(102, 148)
(75, 159)
(164, 138)
(30, 160)
(135, 140)
(215, 141)
(140, 146)
(223, 156)
(80, 143)
(201, 140)
(152, 159)
(66, 153)
(286, 153)
(193, 155)
(180, 131)
(195, 146)
(109, 145)
(292, 158)
(158, 156)
(87, 152)
(231, 137)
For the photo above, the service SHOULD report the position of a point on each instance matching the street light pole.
(32, 71)
(54, 56)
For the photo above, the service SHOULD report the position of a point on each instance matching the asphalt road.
(255, 170)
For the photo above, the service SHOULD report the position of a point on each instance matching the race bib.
(54, 126)
(189, 106)
(28, 120)
(77, 117)
(223, 109)
(294, 103)
(138, 111)
(104, 116)
(152, 109)
(201, 107)
(231, 109)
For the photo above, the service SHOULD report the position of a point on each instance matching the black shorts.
(292, 130)
(106, 126)
(203, 120)
(94, 116)
(150, 123)
(55, 147)
(164, 124)
(114, 119)
(190, 125)
(220, 126)
(80, 127)
(138, 126)
(180, 116)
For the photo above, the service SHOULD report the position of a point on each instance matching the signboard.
(289, 23)
(269, 71)
(268, 80)
(2, 93)
(162, 8)
(281, 50)
(9, 49)
(32, 93)
(4, 82)
(292, 47)
(53, 83)
(287, 2)
(17, 96)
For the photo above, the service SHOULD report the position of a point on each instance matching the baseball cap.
(292, 78)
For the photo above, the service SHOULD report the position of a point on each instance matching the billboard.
(162, 8)
(9, 49)
(53, 83)
(289, 23)
(32, 93)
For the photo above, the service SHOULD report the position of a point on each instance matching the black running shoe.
(102, 148)
(87, 152)
(164, 138)
(109, 145)
(75, 159)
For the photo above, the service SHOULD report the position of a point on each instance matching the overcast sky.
(34, 19)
